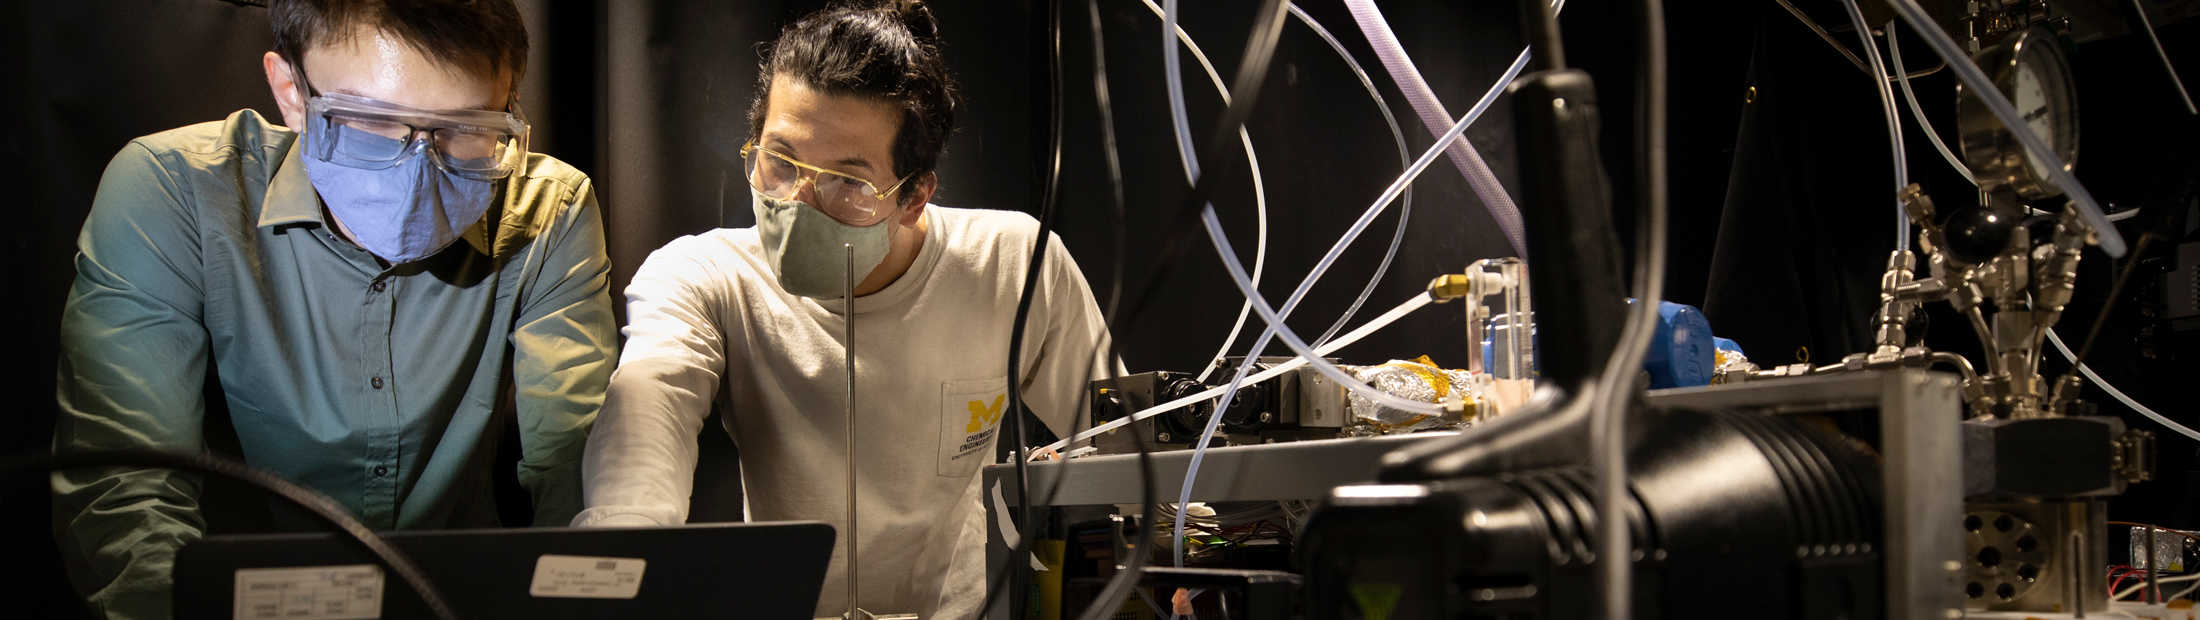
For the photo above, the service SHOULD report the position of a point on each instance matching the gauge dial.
(2029, 68)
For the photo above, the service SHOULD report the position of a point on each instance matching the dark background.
(1780, 224)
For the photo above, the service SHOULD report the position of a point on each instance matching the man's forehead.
(826, 128)
(379, 65)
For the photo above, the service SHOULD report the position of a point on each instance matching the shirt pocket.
(970, 418)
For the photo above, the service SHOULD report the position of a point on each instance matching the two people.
(368, 279)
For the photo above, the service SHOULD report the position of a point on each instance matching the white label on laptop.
(578, 576)
(309, 593)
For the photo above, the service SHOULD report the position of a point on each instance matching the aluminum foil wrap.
(1418, 380)
(1731, 366)
(1734, 361)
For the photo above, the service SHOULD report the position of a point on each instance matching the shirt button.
(381, 470)
(376, 382)
(379, 285)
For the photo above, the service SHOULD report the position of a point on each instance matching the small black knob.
(1978, 234)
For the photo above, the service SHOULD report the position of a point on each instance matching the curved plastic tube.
(2058, 171)
(1191, 162)
(1363, 331)
(1260, 195)
(1405, 157)
(1276, 326)
(2119, 394)
(1894, 120)
(1291, 339)
(1463, 154)
(1894, 49)
(1894, 53)
(1358, 226)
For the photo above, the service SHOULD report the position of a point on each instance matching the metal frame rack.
(1920, 445)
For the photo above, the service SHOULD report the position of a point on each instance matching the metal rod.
(2077, 574)
(848, 347)
(2154, 571)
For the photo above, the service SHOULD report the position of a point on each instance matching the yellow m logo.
(982, 416)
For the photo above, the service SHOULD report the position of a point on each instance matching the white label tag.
(575, 576)
(970, 415)
(309, 593)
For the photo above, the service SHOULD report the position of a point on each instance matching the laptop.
(746, 570)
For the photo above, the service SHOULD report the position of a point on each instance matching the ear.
(282, 82)
(920, 193)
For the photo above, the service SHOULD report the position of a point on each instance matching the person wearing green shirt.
(365, 284)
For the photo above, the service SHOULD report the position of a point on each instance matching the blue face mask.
(402, 213)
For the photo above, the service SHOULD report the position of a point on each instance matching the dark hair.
(890, 51)
(482, 37)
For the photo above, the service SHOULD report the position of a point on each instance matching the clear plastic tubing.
(2119, 394)
(1894, 120)
(1260, 196)
(1424, 102)
(1405, 157)
(1275, 321)
(1191, 167)
(1275, 327)
(1291, 339)
(1902, 78)
(2058, 172)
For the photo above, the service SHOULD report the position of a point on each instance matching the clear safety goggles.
(371, 134)
(846, 197)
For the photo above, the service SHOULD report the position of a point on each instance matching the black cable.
(1261, 45)
(312, 501)
(1050, 187)
(1108, 599)
(1623, 370)
(1115, 290)
(2138, 251)
(1260, 49)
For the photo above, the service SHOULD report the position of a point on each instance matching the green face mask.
(804, 246)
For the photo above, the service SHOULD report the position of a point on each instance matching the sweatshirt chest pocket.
(970, 417)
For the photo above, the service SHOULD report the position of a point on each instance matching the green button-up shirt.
(206, 251)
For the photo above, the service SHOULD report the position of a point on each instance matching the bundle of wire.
(2147, 580)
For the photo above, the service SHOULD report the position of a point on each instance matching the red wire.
(2120, 581)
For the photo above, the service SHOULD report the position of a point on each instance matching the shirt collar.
(291, 199)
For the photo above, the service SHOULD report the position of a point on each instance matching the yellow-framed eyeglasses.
(844, 196)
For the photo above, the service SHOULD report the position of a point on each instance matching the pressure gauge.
(2030, 69)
